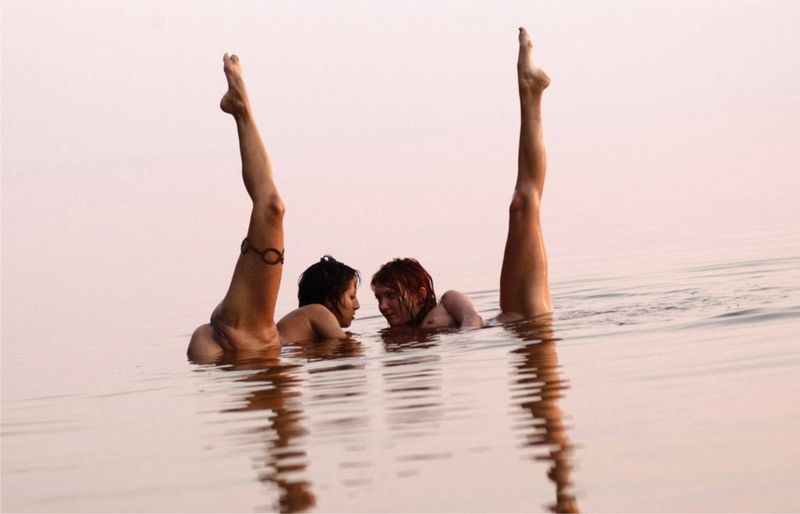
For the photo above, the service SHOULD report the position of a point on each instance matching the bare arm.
(310, 323)
(325, 324)
(461, 308)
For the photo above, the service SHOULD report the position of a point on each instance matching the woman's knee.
(524, 202)
(270, 208)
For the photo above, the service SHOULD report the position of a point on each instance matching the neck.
(420, 316)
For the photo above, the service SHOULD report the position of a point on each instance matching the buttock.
(222, 338)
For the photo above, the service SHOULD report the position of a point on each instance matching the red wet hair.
(406, 276)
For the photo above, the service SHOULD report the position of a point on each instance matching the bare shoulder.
(305, 313)
(461, 308)
(439, 317)
(310, 322)
(203, 348)
(453, 296)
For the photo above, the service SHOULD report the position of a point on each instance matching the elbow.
(472, 321)
(461, 308)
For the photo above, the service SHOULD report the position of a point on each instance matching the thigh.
(524, 289)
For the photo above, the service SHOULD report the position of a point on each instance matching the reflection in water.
(413, 384)
(325, 350)
(277, 389)
(538, 389)
(317, 388)
(404, 339)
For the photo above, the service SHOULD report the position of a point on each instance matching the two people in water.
(245, 319)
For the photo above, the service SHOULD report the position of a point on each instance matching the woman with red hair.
(404, 289)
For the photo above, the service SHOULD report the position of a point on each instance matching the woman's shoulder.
(307, 322)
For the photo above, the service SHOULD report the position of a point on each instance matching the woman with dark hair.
(325, 282)
(404, 289)
(327, 302)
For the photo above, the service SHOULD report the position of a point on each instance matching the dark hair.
(325, 282)
(406, 276)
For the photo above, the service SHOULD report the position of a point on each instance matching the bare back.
(313, 322)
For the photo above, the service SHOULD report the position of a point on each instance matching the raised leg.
(248, 309)
(524, 289)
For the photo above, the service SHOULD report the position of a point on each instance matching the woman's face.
(348, 305)
(391, 306)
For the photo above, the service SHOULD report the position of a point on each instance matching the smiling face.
(345, 311)
(396, 311)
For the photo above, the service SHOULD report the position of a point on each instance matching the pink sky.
(667, 123)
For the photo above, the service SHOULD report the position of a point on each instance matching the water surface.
(658, 391)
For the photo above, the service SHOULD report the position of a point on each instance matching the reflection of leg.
(524, 290)
(250, 301)
(286, 458)
(547, 414)
(540, 388)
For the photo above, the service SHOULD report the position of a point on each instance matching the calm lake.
(666, 381)
(653, 390)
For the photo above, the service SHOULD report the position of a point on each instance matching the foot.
(234, 101)
(531, 77)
